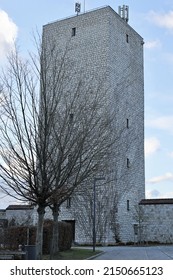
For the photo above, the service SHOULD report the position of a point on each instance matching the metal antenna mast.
(84, 6)
(77, 8)
(124, 12)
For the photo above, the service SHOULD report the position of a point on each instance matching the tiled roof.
(156, 201)
(19, 207)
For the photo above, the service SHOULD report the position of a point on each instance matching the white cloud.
(166, 177)
(152, 194)
(152, 145)
(164, 123)
(162, 19)
(152, 44)
(156, 194)
(8, 33)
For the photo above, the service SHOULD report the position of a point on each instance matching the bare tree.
(55, 131)
(83, 205)
(108, 197)
(24, 160)
(82, 126)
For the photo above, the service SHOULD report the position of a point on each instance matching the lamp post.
(94, 210)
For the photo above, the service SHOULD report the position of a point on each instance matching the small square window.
(73, 31)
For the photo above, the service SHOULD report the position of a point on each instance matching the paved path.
(136, 253)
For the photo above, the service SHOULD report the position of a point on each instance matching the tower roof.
(156, 201)
(94, 12)
(19, 207)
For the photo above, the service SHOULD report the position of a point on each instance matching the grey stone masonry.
(102, 45)
(158, 220)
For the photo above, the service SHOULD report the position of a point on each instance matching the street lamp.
(94, 210)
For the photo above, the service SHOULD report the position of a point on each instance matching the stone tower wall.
(106, 47)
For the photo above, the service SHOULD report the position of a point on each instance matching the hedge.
(17, 235)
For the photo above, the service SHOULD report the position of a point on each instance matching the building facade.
(157, 220)
(102, 44)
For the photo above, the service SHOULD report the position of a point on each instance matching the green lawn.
(74, 254)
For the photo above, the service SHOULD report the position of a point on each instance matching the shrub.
(18, 235)
(65, 236)
(22, 235)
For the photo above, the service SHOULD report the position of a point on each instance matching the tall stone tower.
(102, 43)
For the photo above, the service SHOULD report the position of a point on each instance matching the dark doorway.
(72, 222)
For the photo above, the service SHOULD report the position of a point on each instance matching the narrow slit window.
(128, 205)
(69, 158)
(136, 229)
(71, 116)
(128, 163)
(127, 123)
(127, 38)
(69, 202)
(73, 31)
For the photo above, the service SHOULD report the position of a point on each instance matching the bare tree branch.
(55, 129)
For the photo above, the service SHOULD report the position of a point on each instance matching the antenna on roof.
(124, 12)
(84, 6)
(77, 8)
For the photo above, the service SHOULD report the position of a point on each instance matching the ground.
(158, 252)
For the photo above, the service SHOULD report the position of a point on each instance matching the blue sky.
(153, 20)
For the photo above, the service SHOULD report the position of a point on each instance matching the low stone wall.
(158, 220)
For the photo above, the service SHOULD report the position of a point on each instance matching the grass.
(74, 254)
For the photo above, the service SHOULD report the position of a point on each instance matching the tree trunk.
(39, 235)
(55, 234)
